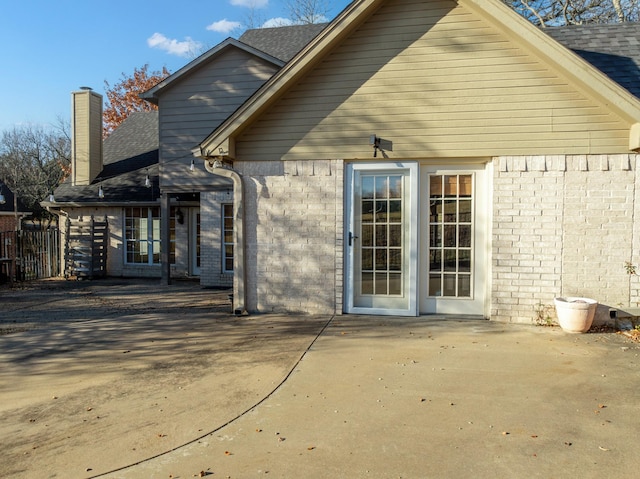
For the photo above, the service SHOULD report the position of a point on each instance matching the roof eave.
(94, 204)
(584, 74)
(303, 60)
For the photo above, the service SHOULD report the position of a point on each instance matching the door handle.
(351, 238)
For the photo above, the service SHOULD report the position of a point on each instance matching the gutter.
(215, 166)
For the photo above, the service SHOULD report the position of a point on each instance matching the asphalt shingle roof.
(282, 42)
(131, 151)
(613, 48)
(7, 206)
(130, 154)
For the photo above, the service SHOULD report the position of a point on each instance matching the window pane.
(382, 187)
(395, 187)
(395, 283)
(465, 211)
(381, 235)
(449, 285)
(381, 210)
(465, 185)
(435, 239)
(450, 211)
(435, 186)
(464, 239)
(464, 260)
(395, 211)
(367, 283)
(395, 235)
(450, 236)
(450, 260)
(435, 260)
(367, 211)
(381, 259)
(367, 187)
(464, 285)
(381, 283)
(395, 260)
(367, 235)
(451, 185)
(367, 259)
(435, 287)
(435, 211)
(227, 237)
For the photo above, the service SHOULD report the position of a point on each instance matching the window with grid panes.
(142, 235)
(450, 235)
(227, 238)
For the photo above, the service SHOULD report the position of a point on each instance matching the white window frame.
(226, 244)
(151, 243)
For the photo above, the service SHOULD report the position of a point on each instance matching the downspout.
(217, 167)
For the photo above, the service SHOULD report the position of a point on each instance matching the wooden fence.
(86, 248)
(26, 255)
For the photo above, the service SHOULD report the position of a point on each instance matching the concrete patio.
(127, 379)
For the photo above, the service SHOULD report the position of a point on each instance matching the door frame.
(482, 174)
(412, 172)
(194, 240)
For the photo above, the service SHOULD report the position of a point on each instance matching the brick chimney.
(86, 136)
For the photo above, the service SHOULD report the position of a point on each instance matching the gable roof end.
(153, 94)
(339, 27)
(583, 74)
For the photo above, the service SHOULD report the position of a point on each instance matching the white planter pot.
(575, 315)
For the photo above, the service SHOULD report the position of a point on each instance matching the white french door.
(381, 238)
(453, 246)
(416, 239)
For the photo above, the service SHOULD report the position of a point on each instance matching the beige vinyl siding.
(435, 80)
(195, 106)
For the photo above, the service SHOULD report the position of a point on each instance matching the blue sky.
(49, 49)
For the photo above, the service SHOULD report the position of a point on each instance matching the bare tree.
(253, 18)
(546, 13)
(34, 161)
(308, 11)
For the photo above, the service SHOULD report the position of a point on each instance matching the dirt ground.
(101, 374)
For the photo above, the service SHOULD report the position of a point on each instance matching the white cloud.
(250, 3)
(277, 22)
(223, 26)
(172, 46)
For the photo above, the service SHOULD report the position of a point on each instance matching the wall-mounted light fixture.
(192, 166)
(100, 192)
(375, 142)
(52, 198)
(2, 199)
(179, 216)
(147, 181)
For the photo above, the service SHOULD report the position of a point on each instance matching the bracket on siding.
(634, 137)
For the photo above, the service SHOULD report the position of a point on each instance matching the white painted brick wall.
(116, 264)
(563, 226)
(294, 235)
(211, 274)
